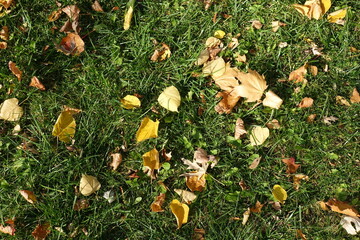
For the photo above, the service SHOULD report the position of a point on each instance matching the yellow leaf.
(252, 86)
(342, 101)
(89, 185)
(130, 102)
(258, 135)
(65, 125)
(279, 193)
(326, 4)
(181, 212)
(337, 15)
(272, 100)
(148, 129)
(215, 68)
(187, 196)
(313, 8)
(195, 183)
(151, 159)
(29, 196)
(129, 14)
(219, 34)
(10, 110)
(170, 99)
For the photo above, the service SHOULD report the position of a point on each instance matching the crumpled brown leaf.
(72, 44)
(41, 231)
(298, 75)
(227, 103)
(240, 131)
(35, 82)
(4, 33)
(116, 160)
(97, 7)
(156, 206)
(291, 165)
(342, 207)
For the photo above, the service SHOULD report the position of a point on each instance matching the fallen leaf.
(313, 70)
(181, 212)
(228, 80)
(291, 165)
(35, 82)
(81, 204)
(279, 194)
(258, 135)
(243, 185)
(89, 185)
(272, 100)
(298, 75)
(170, 99)
(275, 205)
(255, 163)
(219, 34)
(130, 102)
(3, 45)
(65, 125)
(187, 197)
(4, 33)
(323, 206)
(28, 195)
(8, 229)
(195, 183)
(306, 102)
(240, 58)
(337, 16)
(329, 120)
(151, 162)
(97, 7)
(252, 86)
(161, 54)
(273, 124)
(256, 24)
(283, 45)
(148, 129)
(41, 231)
(116, 160)
(165, 155)
(215, 68)
(227, 103)
(72, 44)
(72, 11)
(212, 42)
(350, 224)
(233, 44)
(16, 130)
(156, 206)
(342, 101)
(355, 97)
(15, 70)
(10, 110)
(6, 3)
(275, 25)
(297, 178)
(129, 14)
(240, 131)
(342, 207)
(246, 216)
(109, 196)
(313, 8)
(198, 234)
(257, 208)
(203, 57)
(55, 15)
(300, 234)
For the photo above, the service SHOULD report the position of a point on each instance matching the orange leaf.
(195, 183)
(342, 207)
(156, 206)
(28, 195)
(227, 102)
(72, 44)
(257, 207)
(15, 70)
(306, 102)
(35, 82)
(355, 97)
(291, 165)
(300, 234)
(41, 231)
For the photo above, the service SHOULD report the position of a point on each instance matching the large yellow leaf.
(148, 129)
(181, 212)
(258, 135)
(337, 15)
(279, 193)
(10, 110)
(272, 100)
(215, 68)
(252, 86)
(313, 8)
(170, 99)
(151, 159)
(130, 102)
(89, 185)
(65, 125)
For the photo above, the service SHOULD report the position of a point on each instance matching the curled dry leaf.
(16, 130)
(212, 42)
(355, 97)
(28, 195)
(181, 212)
(227, 103)
(170, 99)
(89, 185)
(72, 44)
(116, 160)
(314, 70)
(165, 155)
(298, 75)
(35, 82)
(10, 110)
(72, 11)
(161, 54)
(350, 224)
(275, 25)
(203, 57)
(130, 102)
(243, 185)
(215, 68)
(151, 162)
(313, 8)
(275, 205)
(65, 125)
(10, 229)
(148, 129)
(258, 135)
(256, 24)
(4, 33)
(300, 234)
(311, 118)
(97, 7)
(255, 163)
(337, 16)
(233, 44)
(240, 131)
(187, 197)
(55, 15)
(109, 196)
(81, 204)
(15, 70)
(257, 208)
(41, 231)
(330, 120)
(129, 14)
(273, 124)
(240, 58)
(306, 102)
(252, 86)
(6, 3)
(246, 216)
(156, 206)
(291, 165)
(195, 183)
(297, 179)
(3, 45)
(272, 100)
(279, 193)
(342, 101)
(342, 207)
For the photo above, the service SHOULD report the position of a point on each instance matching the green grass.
(116, 63)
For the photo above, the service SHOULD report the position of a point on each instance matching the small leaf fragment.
(130, 102)
(89, 185)
(161, 54)
(148, 129)
(181, 212)
(203, 57)
(300, 234)
(55, 15)
(291, 165)
(246, 216)
(97, 7)
(28, 195)
(240, 131)
(187, 196)
(273, 124)
(337, 16)
(81, 204)
(355, 97)
(257, 208)
(256, 24)
(41, 231)
(342, 101)
(109, 196)
(35, 82)
(350, 224)
(4, 33)
(15, 70)
(306, 102)
(258, 135)
(279, 193)
(297, 179)
(116, 160)
(10, 110)
(272, 100)
(275, 25)
(255, 163)
(170, 99)
(298, 75)
(212, 42)
(156, 206)
(10, 229)
(129, 14)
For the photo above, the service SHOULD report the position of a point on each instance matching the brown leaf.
(240, 58)
(41, 231)
(311, 118)
(240, 131)
(342, 207)
(4, 33)
(6, 3)
(97, 7)
(55, 15)
(156, 206)
(28, 195)
(243, 185)
(300, 234)
(198, 234)
(72, 44)
(273, 124)
(196, 184)
(272, 100)
(275, 25)
(72, 11)
(15, 70)
(165, 155)
(255, 163)
(227, 102)
(297, 178)
(291, 165)
(35, 82)
(161, 54)
(323, 206)
(306, 102)
(256, 24)
(116, 160)
(342, 101)
(81, 204)
(275, 205)
(298, 75)
(257, 207)
(355, 97)
(3, 45)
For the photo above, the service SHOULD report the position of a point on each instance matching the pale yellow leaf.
(130, 102)
(187, 196)
(128, 16)
(246, 216)
(258, 135)
(10, 110)
(279, 193)
(272, 100)
(215, 68)
(256, 24)
(252, 86)
(228, 80)
(275, 25)
(148, 129)
(337, 15)
(181, 212)
(65, 125)
(351, 224)
(170, 99)
(212, 42)
(342, 101)
(89, 185)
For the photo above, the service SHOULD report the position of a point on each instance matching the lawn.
(117, 63)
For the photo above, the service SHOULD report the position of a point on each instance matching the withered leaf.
(306, 102)
(15, 70)
(4, 33)
(195, 183)
(156, 206)
(275, 25)
(81, 204)
(161, 54)
(240, 131)
(342, 207)
(252, 86)
(227, 102)
(257, 208)
(28, 195)
(255, 163)
(35, 82)
(116, 160)
(41, 231)
(72, 44)
(297, 179)
(291, 165)
(97, 7)
(273, 124)
(355, 97)
(342, 101)
(298, 75)
(256, 24)
(55, 15)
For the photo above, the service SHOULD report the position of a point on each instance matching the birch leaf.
(130, 102)
(279, 193)
(89, 185)
(252, 86)
(272, 100)
(170, 99)
(148, 129)
(65, 125)
(181, 212)
(10, 110)
(258, 135)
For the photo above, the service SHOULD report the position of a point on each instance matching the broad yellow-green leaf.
(258, 135)
(64, 127)
(337, 15)
(279, 193)
(10, 110)
(219, 34)
(148, 129)
(170, 99)
(89, 185)
(130, 102)
(151, 159)
(181, 212)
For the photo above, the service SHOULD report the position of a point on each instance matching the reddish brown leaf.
(15, 70)
(3, 45)
(81, 204)
(35, 82)
(41, 231)
(156, 206)
(291, 165)
(72, 44)
(97, 7)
